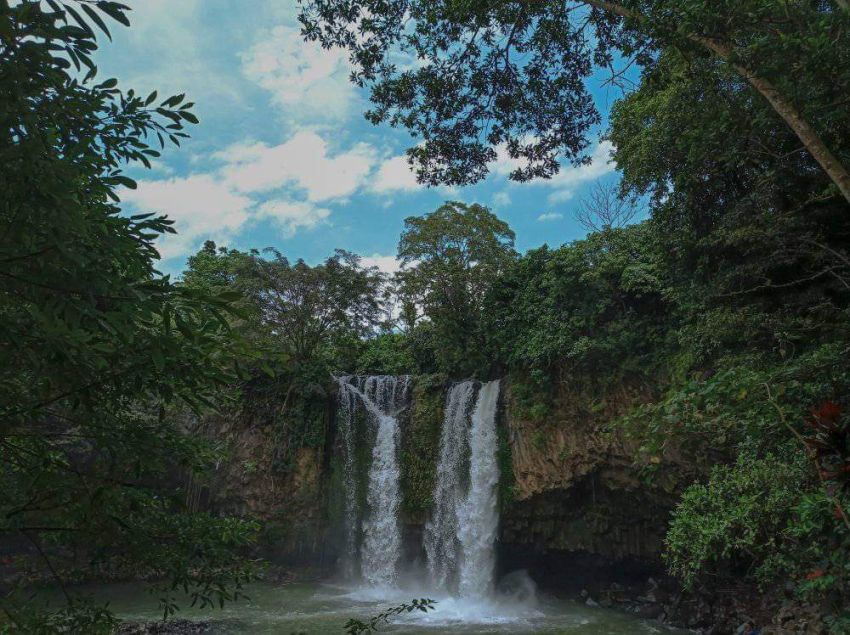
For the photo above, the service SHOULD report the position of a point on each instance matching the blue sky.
(283, 156)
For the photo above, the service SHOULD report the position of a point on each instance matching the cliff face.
(289, 500)
(577, 488)
(570, 486)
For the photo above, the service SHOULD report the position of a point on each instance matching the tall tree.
(307, 307)
(490, 73)
(450, 258)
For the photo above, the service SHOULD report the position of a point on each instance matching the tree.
(304, 323)
(595, 305)
(450, 258)
(605, 208)
(308, 307)
(514, 74)
(97, 349)
(744, 215)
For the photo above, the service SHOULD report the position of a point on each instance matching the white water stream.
(383, 397)
(478, 517)
(442, 546)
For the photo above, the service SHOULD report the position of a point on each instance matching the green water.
(321, 608)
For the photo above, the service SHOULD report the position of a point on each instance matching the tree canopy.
(450, 258)
(469, 78)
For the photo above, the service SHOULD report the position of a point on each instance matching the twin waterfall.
(461, 530)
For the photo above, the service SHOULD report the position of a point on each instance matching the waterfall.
(383, 398)
(460, 535)
(345, 414)
(441, 530)
(479, 516)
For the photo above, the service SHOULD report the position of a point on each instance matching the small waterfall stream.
(460, 535)
(478, 517)
(345, 414)
(383, 397)
(442, 547)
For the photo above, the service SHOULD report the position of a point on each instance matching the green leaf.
(97, 20)
(188, 116)
(115, 11)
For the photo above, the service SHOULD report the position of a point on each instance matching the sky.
(283, 157)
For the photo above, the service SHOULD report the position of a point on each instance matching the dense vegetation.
(100, 352)
(732, 301)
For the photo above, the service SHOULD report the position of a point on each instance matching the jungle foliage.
(99, 352)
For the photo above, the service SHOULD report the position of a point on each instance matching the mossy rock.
(421, 446)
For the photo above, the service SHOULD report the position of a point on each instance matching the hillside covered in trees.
(727, 309)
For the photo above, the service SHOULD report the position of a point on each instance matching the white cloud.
(501, 199)
(387, 264)
(169, 49)
(601, 163)
(504, 164)
(559, 196)
(568, 177)
(306, 81)
(303, 161)
(549, 216)
(286, 184)
(293, 215)
(395, 174)
(202, 207)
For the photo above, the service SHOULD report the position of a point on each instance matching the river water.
(313, 608)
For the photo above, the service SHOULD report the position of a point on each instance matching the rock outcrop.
(577, 487)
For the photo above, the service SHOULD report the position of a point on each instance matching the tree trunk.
(834, 169)
(792, 116)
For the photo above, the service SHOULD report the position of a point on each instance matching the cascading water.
(382, 397)
(441, 531)
(345, 414)
(460, 535)
(478, 517)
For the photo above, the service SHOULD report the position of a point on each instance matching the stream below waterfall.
(314, 608)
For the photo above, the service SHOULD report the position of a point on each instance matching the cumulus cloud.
(601, 163)
(568, 177)
(387, 264)
(549, 216)
(501, 199)
(293, 215)
(559, 196)
(305, 80)
(395, 174)
(170, 49)
(303, 161)
(201, 206)
(284, 183)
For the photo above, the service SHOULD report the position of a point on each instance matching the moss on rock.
(421, 445)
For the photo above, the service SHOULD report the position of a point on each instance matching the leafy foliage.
(355, 626)
(304, 323)
(597, 301)
(450, 258)
(97, 348)
(744, 511)
(515, 75)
